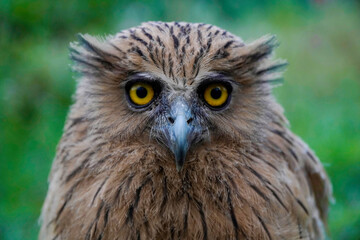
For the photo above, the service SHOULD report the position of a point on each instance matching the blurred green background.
(321, 92)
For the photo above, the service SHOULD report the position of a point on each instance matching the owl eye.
(141, 93)
(216, 95)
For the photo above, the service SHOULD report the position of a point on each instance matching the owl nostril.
(189, 120)
(171, 120)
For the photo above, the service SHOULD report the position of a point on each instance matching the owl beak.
(180, 131)
(180, 145)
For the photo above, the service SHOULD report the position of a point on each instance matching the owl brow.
(219, 77)
(139, 76)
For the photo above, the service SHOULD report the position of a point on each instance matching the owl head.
(177, 85)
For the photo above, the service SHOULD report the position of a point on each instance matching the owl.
(175, 134)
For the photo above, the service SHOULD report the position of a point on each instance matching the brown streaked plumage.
(179, 168)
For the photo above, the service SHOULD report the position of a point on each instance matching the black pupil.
(215, 93)
(141, 92)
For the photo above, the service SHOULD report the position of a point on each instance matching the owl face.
(176, 84)
(179, 118)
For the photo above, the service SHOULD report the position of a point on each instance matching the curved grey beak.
(179, 132)
(180, 146)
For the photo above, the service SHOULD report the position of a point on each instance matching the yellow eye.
(216, 94)
(141, 93)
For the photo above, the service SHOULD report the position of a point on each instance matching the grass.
(320, 95)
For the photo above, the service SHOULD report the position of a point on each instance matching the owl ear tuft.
(261, 48)
(92, 56)
(259, 58)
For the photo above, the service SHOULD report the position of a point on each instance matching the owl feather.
(174, 133)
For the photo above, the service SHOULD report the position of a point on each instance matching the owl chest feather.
(217, 199)
(222, 193)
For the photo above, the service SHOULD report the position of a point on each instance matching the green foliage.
(321, 93)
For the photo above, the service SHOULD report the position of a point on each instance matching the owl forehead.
(179, 53)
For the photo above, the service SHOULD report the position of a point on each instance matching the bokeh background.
(320, 94)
